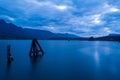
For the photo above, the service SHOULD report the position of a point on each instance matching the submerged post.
(35, 48)
(9, 57)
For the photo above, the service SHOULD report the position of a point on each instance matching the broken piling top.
(9, 57)
(8, 47)
(35, 48)
(8, 50)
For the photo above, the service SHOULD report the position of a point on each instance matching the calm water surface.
(63, 60)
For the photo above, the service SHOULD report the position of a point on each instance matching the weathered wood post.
(35, 48)
(9, 57)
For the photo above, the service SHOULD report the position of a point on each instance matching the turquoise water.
(63, 60)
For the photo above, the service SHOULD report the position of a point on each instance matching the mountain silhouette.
(110, 37)
(11, 31)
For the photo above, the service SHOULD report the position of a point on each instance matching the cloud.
(81, 17)
(7, 17)
(61, 7)
(47, 4)
(90, 20)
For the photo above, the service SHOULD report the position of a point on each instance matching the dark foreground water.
(63, 60)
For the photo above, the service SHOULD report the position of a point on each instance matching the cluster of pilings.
(35, 50)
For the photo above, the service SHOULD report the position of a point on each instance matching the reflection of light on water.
(104, 51)
(96, 57)
(96, 54)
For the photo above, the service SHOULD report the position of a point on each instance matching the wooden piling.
(9, 57)
(35, 48)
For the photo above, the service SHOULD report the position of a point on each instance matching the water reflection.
(35, 60)
(97, 59)
(8, 67)
(8, 71)
(96, 54)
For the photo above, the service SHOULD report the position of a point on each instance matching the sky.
(79, 17)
